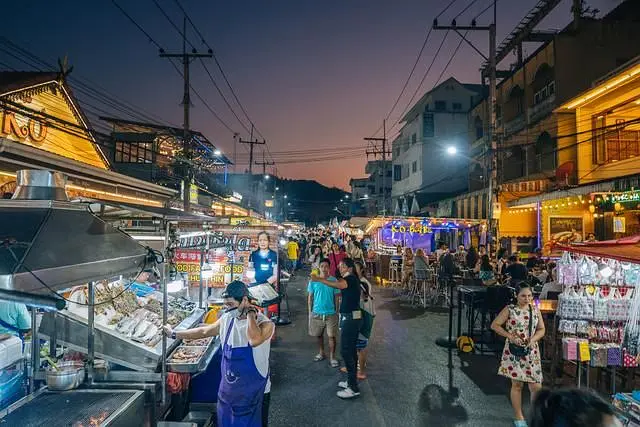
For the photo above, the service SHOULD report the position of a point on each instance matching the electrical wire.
(133, 21)
(424, 76)
(465, 9)
(413, 68)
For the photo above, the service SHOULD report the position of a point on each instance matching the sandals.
(318, 358)
(335, 363)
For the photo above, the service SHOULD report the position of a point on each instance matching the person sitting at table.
(539, 274)
(472, 258)
(420, 261)
(485, 270)
(516, 269)
(552, 286)
(501, 264)
(407, 266)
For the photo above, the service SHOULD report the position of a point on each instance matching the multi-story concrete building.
(537, 146)
(371, 195)
(423, 171)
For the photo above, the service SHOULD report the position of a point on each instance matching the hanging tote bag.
(584, 355)
(567, 270)
(569, 349)
(600, 307)
(585, 305)
(619, 306)
(614, 355)
(368, 313)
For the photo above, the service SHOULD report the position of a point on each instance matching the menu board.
(236, 252)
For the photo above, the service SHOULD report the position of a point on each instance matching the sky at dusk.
(314, 76)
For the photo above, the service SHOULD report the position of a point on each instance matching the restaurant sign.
(22, 128)
(412, 228)
(627, 196)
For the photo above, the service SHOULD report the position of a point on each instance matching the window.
(388, 174)
(398, 150)
(440, 105)
(476, 203)
(414, 167)
(457, 106)
(551, 88)
(614, 143)
(134, 152)
(414, 139)
(397, 172)
(428, 130)
(479, 127)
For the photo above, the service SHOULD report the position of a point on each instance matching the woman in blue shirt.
(264, 260)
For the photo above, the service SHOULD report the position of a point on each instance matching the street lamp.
(217, 152)
(285, 196)
(452, 150)
(366, 196)
(277, 188)
(267, 176)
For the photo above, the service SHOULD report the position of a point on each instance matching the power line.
(465, 9)
(413, 68)
(133, 21)
(424, 76)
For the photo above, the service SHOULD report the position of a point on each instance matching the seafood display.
(187, 354)
(198, 342)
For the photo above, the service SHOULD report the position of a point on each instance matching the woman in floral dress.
(513, 324)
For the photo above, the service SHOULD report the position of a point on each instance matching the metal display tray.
(72, 330)
(195, 367)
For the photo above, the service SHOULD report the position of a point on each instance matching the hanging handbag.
(614, 355)
(585, 305)
(628, 360)
(584, 354)
(569, 349)
(567, 270)
(600, 308)
(523, 351)
(619, 306)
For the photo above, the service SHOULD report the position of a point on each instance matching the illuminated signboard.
(627, 196)
(412, 228)
(268, 203)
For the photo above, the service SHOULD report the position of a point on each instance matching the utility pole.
(186, 102)
(492, 138)
(264, 164)
(382, 151)
(251, 143)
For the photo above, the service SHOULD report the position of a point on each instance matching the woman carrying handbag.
(521, 324)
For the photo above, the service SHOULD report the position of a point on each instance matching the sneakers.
(334, 363)
(343, 384)
(347, 393)
(520, 423)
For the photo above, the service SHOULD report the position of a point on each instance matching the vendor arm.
(337, 284)
(195, 333)
(258, 334)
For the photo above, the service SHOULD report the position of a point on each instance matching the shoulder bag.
(523, 351)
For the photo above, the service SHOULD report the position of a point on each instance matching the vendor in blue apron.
(245, 337)
(14, 319)
(264, 260)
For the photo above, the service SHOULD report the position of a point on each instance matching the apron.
(241, 387)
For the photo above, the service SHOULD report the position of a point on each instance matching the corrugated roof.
(15, 80)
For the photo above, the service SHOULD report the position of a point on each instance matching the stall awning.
(119, 209)
(559, 194)
(626, 249)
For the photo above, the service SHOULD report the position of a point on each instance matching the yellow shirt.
(292, 250)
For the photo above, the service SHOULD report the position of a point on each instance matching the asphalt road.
(408, 375)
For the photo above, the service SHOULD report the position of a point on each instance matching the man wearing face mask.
(245, 335)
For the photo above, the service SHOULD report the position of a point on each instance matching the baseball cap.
(236, 290)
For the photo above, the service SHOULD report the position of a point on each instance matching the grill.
(68, 409)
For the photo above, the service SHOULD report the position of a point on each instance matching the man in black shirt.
(516, 269)
(350, 320)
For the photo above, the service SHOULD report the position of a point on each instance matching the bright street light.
(366, 196)
(267, 176)
(288, 204)
(277, 188)
(451, 150)
(285, 196)
(217, 152)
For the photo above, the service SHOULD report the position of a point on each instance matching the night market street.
(404, 366)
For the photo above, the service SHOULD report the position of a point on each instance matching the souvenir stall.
(599, 312)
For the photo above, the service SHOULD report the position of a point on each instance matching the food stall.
(49, 246)
(599, 310)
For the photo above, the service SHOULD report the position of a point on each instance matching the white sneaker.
(347, 393)
(343, 384)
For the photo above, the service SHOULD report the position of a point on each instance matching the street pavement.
(408, 377)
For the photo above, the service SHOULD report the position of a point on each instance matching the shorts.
(318, 323)
(361, 344)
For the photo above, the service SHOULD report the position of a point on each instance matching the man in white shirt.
(245, 337)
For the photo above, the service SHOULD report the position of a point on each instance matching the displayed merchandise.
(598, 310)
(628, 406)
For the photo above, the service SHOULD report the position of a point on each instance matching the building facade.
(424, 167)
(371, 195)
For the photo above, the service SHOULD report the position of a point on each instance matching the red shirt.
(334, 260)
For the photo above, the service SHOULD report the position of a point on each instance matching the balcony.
(515, 125)
(542, 109)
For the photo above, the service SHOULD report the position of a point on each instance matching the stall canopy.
(626, 249)
(50, 244)
(119, 209)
